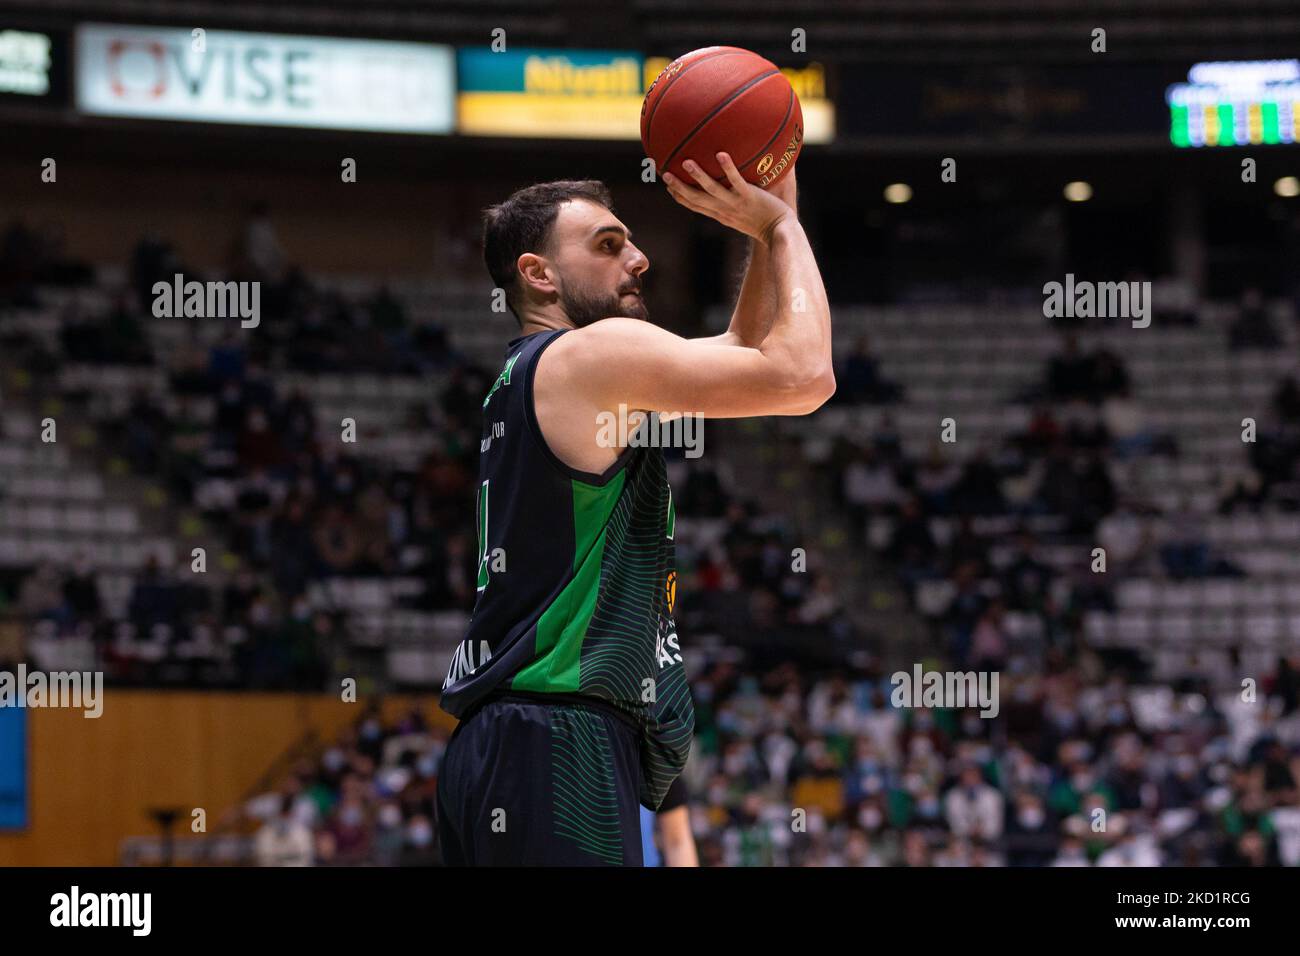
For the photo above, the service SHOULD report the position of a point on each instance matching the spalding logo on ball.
(722, 99)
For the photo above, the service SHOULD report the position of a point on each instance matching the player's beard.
(584, 306)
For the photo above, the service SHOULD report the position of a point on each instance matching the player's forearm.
(799, 341)
(681, 852)
(756, 306)
(678, 841)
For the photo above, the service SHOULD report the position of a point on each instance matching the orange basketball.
(722, 99)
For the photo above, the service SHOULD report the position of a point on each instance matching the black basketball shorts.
(541, 780)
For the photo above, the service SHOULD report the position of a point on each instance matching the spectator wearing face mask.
(1072, 853)
(927, 810)
(370, 734)
(418, 849)
(284, 840)
(352, 831)
(973, 808)
(1131, 849)
(873, 822)
(390, 835)
(1030, 832)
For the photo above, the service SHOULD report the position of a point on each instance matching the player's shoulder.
(612, 340)
(616, 328)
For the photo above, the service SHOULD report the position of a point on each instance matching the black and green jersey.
(576, 579)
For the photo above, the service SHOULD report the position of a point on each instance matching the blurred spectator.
(1252, 329)
(284, 840)
(260, 251)
(1069, 373)
(41, 594)
(869, 486)
(859, 379)
(973, 808)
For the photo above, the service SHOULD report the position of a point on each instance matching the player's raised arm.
(625, 361)
(755, 310)
(633, 363)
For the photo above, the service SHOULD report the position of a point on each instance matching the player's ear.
(535, 272)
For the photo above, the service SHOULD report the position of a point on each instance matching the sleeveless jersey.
(576, 579)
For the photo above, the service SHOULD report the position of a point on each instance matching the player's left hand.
(742, 205)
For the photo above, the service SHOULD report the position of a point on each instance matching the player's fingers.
(675, 187)
(692, 197)
(733, 174)
(697, 200)
(682, 194)
(706, 182)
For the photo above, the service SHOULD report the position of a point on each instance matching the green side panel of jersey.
(618, 654)
(563, 625)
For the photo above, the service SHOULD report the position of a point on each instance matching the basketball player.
(569, 685)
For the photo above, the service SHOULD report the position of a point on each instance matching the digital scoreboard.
(1244, 103)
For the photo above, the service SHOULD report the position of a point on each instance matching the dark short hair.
(523, 224)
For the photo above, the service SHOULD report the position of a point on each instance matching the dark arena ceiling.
(904, 31)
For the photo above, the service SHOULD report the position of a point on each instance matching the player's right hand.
(742, 206)
(785, 189)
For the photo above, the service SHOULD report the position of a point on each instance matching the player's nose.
(639, 263)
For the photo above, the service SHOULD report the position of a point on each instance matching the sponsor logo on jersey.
(464, 662)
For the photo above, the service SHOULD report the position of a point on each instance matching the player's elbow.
(814, 392)
(825, 386)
